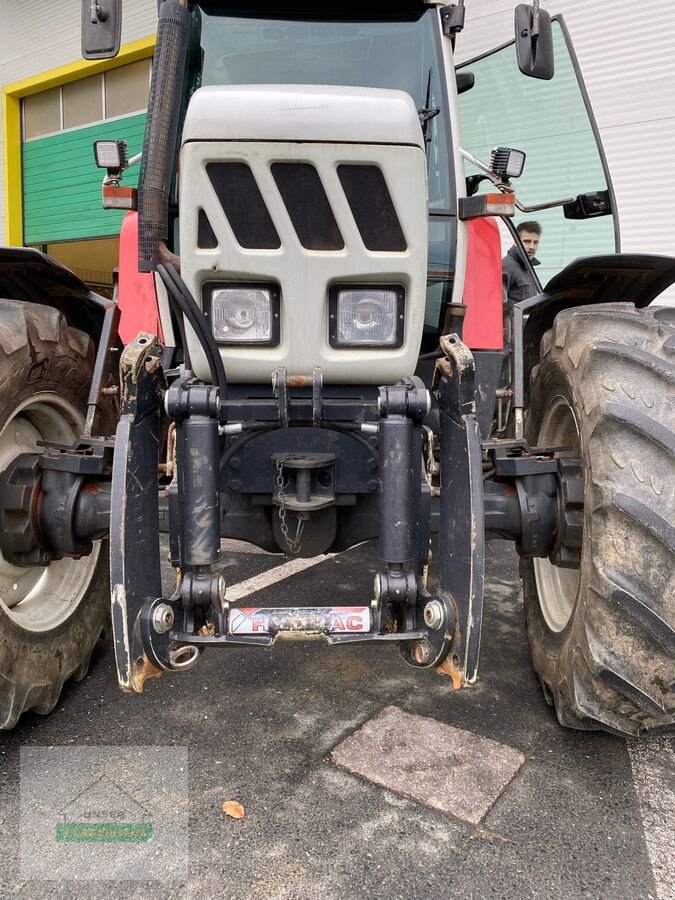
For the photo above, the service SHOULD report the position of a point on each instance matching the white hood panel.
(325, 125)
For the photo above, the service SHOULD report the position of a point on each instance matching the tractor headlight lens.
(363, 316)
(243, 314)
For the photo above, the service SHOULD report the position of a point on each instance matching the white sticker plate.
(334, 620)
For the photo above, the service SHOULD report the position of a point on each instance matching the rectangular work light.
(243, 313)
(366, 315)
(507, 162)
(110, 154)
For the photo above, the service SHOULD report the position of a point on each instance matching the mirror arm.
(480, 165)
(507, 189)
(538, 206)
(534, 31)
(96, 14)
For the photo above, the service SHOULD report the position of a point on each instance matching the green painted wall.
(62, 185)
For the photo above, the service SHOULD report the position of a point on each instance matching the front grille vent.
(243, 205)
(308, 207)
(206, 238)
(372, 207)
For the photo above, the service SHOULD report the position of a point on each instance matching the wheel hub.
(558, 576)
(41, 592)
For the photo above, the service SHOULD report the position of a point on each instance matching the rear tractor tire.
(603, 635)
(50, 616)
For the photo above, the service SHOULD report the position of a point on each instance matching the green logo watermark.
(104, 832)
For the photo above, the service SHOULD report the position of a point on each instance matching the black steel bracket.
(462, 532)
(453, 17)
(135, 576)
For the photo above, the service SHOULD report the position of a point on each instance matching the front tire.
(50, 616)
(603, 636)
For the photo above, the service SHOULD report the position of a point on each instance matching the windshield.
(402, 54)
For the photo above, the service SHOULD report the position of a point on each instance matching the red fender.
(136, 294)
(483, 287)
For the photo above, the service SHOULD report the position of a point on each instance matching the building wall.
(37, 37)
(625, 52)
(62, 185)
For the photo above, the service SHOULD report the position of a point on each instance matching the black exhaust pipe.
(161, 131)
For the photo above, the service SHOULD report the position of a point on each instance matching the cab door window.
(552, 123)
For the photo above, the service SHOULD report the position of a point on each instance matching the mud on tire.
(51, 617)
(611, 665)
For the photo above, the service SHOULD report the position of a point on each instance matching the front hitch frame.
(135, 573)
(462, 531)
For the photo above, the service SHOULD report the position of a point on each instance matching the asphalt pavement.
(578, 815)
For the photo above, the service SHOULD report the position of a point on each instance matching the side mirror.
(101, 28)
(588, 206)
(465, 81)
(534, 41)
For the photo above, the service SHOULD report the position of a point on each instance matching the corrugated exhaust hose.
(161, 130)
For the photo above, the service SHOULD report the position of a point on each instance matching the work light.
(507, 162)
(365, 316)
(110, 154)
(243, 314)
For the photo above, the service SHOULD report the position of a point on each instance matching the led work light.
(367, 316)
(243, 314)
(507, 162)
(111, 154)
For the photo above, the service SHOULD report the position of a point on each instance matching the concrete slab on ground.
(445, 768)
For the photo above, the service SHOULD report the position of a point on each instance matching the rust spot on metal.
(298, 381)
(450, 668)
(168, 468)
(141, 671)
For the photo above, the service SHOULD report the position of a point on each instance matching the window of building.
(126, 89)
(42, 113)
(83, 101)
(87, 101)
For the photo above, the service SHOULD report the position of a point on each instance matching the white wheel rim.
(557, 588)
(40, 598)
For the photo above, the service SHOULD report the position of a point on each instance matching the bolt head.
(162, 618)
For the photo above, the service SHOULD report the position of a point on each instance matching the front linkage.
(529, 496)
(490, 489)
(153, 633)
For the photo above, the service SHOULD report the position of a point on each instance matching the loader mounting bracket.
(462, 530)
(135, 575)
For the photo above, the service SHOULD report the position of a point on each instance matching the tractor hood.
(314, 199)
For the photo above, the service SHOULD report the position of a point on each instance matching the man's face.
(530, 242)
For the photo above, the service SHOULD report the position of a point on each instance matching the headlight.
(243, 313)
(367, 316)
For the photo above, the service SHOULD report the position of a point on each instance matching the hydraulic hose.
(183, 299)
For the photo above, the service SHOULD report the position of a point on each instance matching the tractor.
(310, 346)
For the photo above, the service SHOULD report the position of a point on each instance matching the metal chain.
(295, 543)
